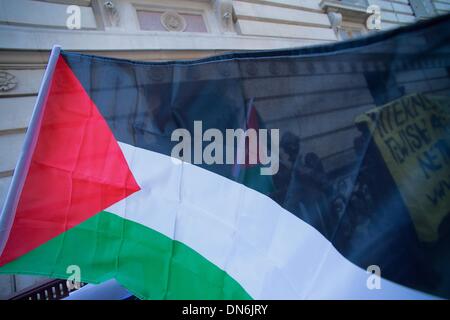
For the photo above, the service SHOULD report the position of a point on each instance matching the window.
(153, 20)
(347, 17)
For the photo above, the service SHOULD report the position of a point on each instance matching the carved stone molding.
(111, 14)
(335, 20)
(224, 13)
(8, 81)
(354, 11)
(172, 21)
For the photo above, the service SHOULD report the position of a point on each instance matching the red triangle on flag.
(77, 168)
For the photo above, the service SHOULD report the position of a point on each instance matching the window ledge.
(355, 11)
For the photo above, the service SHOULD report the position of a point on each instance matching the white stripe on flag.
(269, 251)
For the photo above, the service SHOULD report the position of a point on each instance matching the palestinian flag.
(98, 187)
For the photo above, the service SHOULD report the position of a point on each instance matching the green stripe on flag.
(107, 246)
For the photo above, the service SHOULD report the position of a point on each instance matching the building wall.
(28, 30)
(442, 6)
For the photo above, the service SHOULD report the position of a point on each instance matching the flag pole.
(22, 166)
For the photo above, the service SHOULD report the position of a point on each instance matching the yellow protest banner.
(413, 136)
